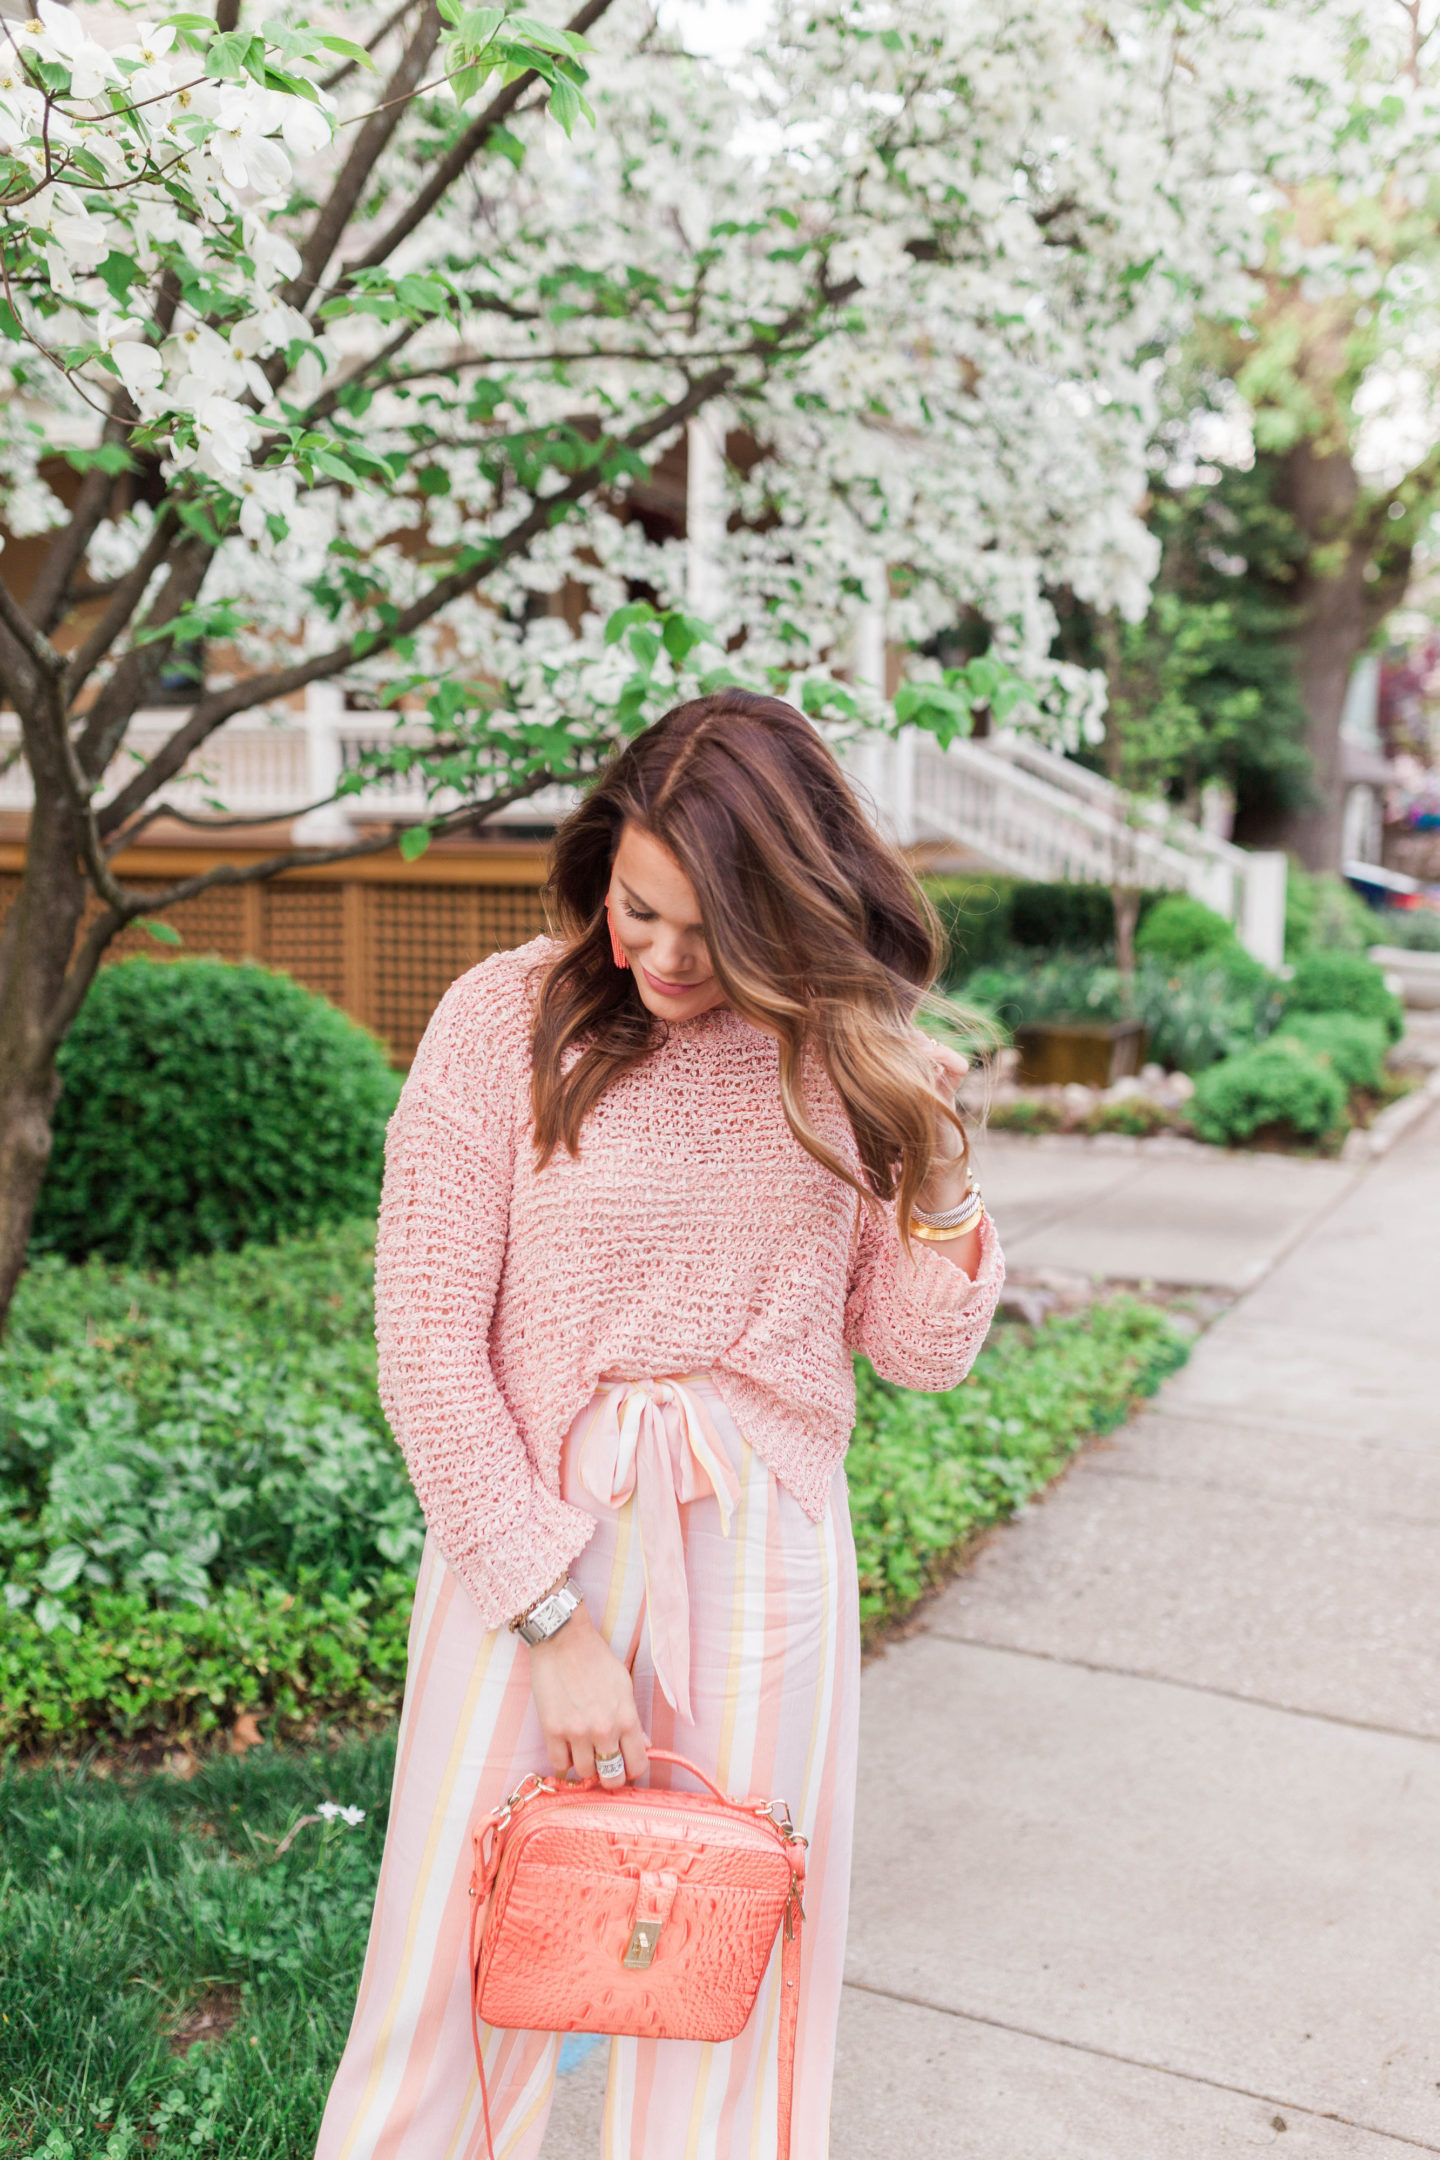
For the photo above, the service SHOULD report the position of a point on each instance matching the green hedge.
(986, 918)
(212, 1443)
(204, 1106)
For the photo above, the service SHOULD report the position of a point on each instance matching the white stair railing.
(1029, 813)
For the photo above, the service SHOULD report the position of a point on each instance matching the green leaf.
(164, 933)
(347, 50)
(566, 103)
(63, 1567)
(414, 841)
(624, 618)
(106, 458)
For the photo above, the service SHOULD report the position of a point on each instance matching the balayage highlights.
(816, 929)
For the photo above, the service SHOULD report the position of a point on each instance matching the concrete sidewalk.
(1166, 1213)
(1149, 1843)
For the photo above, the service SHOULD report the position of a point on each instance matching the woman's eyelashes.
(638, 914)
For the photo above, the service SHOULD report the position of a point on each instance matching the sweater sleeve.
(918, 1318)
(444, 1218)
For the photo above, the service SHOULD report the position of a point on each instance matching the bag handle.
(683, 1762)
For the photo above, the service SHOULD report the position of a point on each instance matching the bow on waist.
(650, 1440)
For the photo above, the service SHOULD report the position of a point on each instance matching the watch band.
(548, 1614)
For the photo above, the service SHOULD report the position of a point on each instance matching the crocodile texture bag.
(635, 1912)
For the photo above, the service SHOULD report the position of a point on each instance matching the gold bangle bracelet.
(932, 1236)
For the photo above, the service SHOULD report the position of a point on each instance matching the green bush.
(1179, 929)
(205, 1106)
(1342, 982)
(1324, 914)
(202, 1513)
(1279, 1090)
(1063, 918)
(975, 918)
(927, 1471)
(1195, 1013)
(1067, 986)
(1354, 1047)
(1410, 929)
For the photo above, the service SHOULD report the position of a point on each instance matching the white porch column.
(705, 514)
(1262, 914)
(328, 826)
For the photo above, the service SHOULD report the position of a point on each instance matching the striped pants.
(774, 1695)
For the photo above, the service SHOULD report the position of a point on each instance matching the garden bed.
(203, 1518)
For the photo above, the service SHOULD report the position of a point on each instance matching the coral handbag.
(635, 1912)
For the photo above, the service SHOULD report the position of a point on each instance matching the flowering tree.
(1330, 362)
(357, 347)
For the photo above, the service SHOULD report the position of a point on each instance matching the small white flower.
(331, 1811)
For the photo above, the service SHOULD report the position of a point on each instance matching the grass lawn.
(173, 1983)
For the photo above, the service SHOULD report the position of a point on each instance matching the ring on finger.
(610, 1766)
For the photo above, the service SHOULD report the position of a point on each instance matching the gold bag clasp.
(640, 1949)
(655, 1894)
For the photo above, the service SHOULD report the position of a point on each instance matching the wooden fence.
(382, 939)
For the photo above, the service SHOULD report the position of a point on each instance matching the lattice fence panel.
(213, 922)
(304, 933)
(421, 937)
(211, 925)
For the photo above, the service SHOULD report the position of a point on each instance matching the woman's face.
(657, 920)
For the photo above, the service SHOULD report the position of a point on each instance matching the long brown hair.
(816, 930)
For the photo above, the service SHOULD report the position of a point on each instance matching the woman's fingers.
(633, 1748)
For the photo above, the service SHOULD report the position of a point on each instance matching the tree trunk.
(38, 945)
(1126, 902)
(1339, 609)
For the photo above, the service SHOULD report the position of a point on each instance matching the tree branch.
(450, 167)
(372, 44)
(339, 208)
(36, 646)
(467, 815)
(128, 594)
(48, 594)
(136, 671)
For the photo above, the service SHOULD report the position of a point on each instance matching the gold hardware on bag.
(640, 1950)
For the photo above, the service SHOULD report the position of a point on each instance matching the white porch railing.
(265, 771)
(1027, 812)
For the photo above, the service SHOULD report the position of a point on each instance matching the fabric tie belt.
(651, 1440)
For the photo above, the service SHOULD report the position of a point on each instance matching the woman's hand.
(586, 1701)
(945, 1186)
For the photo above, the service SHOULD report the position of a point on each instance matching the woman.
(644, 1196)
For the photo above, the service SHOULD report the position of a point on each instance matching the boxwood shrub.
(1344, 982)
(206, 1105)
(1280, 1090)
(1354, 1047)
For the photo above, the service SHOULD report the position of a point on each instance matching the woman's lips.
(672, 989)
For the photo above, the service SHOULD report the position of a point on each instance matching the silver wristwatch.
(548, 1614)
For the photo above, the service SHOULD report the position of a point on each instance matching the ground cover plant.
(202, 1514)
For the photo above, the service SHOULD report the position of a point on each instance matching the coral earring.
(615, 946)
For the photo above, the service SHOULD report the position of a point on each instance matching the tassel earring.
(615, 946)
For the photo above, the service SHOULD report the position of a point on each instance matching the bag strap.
(789, 2017)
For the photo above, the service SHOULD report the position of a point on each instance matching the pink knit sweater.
(692, 1233)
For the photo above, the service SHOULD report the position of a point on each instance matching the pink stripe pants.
(774, 1684)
